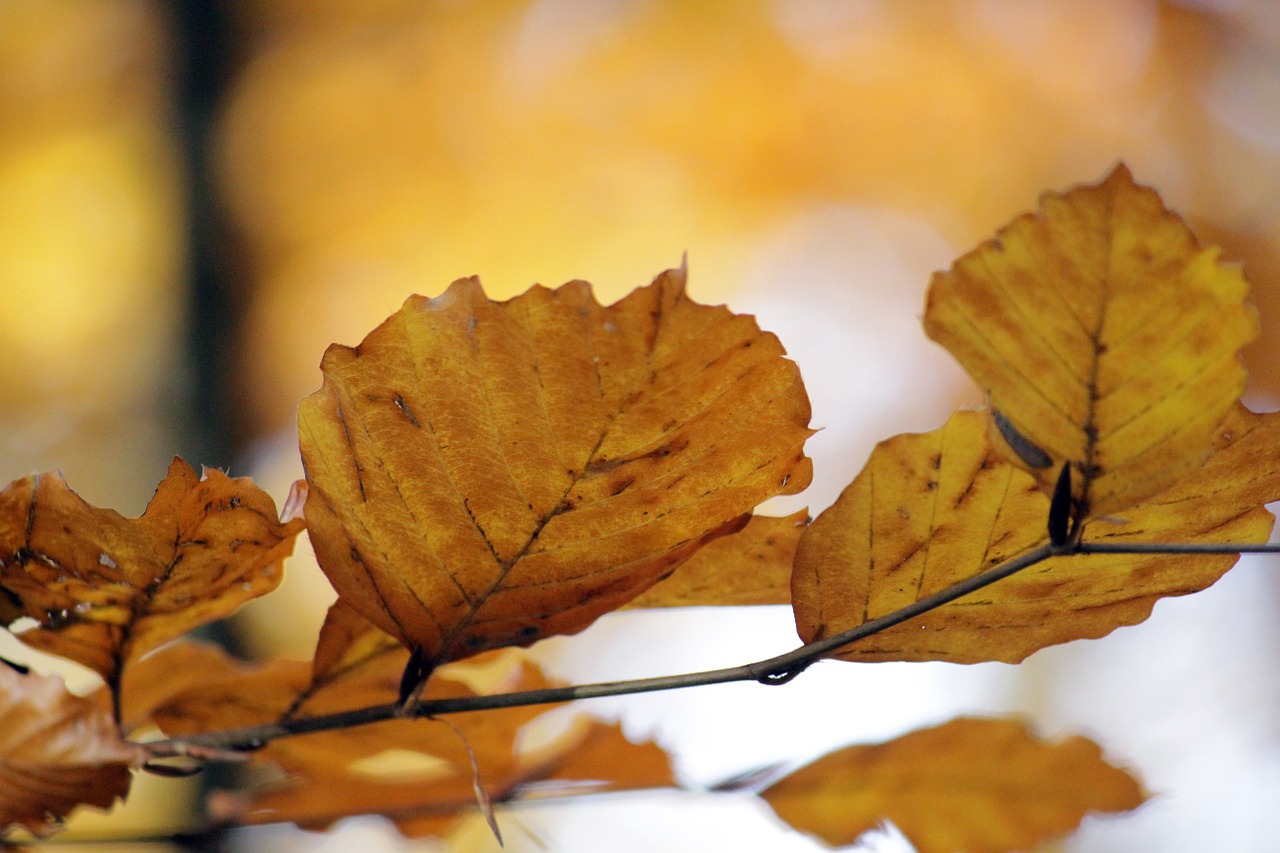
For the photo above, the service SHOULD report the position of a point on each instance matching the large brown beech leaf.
(107, 589)
(973, 785)
(931, 509)
(57, 751)
(485, 474)
(1104, 335)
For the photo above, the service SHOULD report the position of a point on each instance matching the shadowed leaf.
(107, 589)
(752, 566)
(486, 474)
(57, 751)
(421, 773)
(1104, 335)
(931, 509)
(592, 758)
(156, 679)
(977, 785)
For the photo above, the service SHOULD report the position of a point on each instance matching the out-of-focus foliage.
(93, 228)
(91, 235)
(979, 785)
(368, 147)
(483, 474)
(57, 751)
(374, 146)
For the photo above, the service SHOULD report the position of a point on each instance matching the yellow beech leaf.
(1105, 337)
(931, 509)
(57, 751)
(752, 566)
(973, 785)
(107, 589)
(484, 474)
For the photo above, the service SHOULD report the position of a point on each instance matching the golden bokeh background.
(195, 199)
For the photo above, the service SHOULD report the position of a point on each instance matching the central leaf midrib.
(1087, 472)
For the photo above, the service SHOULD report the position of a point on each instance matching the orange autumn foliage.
(484, 474)
(488, 474)
(106, 589)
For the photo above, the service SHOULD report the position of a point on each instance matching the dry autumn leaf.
(972, 785)
(752, 566)
(424, 802)
(107, 589)
(486, 474)
(1105, 337)
(57, 751)
(155, 680)
(931, 509)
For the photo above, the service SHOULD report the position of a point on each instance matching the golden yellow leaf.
(485, 474)
(931, 509)
(1105, 337)
(752, 566)
(57, 751)
(973, 785)
(107, 589)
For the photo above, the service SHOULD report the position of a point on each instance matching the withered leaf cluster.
(481, 475)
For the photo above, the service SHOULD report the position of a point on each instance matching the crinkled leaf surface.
(1104, 335)
(484, 474)
(57, 751)
(931, 509)
(977, 785)
(107, 589)
(752, 566)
